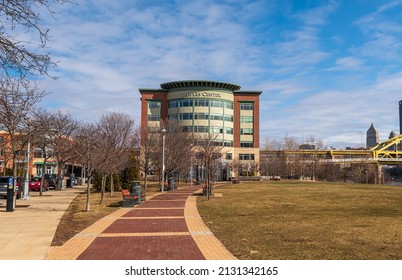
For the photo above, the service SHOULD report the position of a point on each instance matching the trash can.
(10, 206)
(135, 189)
(171, 184)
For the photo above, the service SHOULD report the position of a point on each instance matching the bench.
(129, 200)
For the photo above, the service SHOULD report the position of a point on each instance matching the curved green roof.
(200, 84)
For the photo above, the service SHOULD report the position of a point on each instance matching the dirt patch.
(76, 218)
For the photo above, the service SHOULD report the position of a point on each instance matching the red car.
(34, 184)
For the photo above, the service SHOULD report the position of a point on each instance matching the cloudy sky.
(326, 68)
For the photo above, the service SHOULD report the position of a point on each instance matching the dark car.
(51, 180)
(34, 184)
(4, 182)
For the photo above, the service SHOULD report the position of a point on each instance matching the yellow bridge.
(385, 153)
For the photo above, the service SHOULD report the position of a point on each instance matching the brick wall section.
(254, 97)
(149, 95)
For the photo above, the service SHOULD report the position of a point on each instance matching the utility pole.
(26, 185)
(163, 158)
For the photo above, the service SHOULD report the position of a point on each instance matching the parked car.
(3, 185)
(34, 184)
(51, 180)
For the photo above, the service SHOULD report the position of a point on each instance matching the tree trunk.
(87, 206)
(146, 184)
(111, 185)
(42, 178)
(103, 187)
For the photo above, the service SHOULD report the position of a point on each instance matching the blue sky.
(326, 68)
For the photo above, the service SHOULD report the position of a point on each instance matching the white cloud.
(109, 49)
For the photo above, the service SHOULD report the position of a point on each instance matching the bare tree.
(150, 148)
(208, 150)
(178, 149)
(86, 148)
(116, 131)
(43, 138)
(18, 55)
(63, 127)
(5, 151)
(17, 99)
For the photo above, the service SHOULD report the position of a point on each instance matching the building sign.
(201, 94)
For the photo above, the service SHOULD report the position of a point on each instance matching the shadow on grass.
(116, 204)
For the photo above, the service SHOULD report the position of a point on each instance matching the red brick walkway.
(154, 230)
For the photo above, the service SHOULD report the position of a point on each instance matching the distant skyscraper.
(372, 137)
(400, 117)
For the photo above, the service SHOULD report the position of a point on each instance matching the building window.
(246, 106)
(200, 128)
(246, 119)
(201, 116)
(154, 105)
(228, 118)
(228, 105)
(215, 103)
(154, 117)
(228, 130)
(216, 129)
(186, 116)
(38, 153)
(246, 131)
(173, 104)
(186, 103)
(228, 143)
(246, 156)
(228, 156)
(246, 144)
(216, 117)
(201, 103)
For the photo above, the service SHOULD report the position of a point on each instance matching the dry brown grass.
(295, 220)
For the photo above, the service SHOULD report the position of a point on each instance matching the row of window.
(246, 119)
(206, 129)
(203, 116)
(154, 104)
(246, 144)
(200, 116)
(246, 156)
(246, 106)
(214, 143)
(200, 103)
(246, 131)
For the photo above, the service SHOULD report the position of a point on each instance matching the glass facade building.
(217, 108)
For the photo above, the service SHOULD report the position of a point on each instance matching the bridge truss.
(385, 153)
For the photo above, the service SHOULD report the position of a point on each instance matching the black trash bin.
(171, 184)
(10, 206)
(135, 190)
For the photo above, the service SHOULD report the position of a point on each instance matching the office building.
(209, 107)
(372, 137)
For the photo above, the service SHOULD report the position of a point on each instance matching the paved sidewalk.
(165, 227)
(27, 233)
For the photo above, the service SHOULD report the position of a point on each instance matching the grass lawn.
(295, 220)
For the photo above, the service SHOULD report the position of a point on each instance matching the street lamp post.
(191, 166)
(163, 158)
(26, 184)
